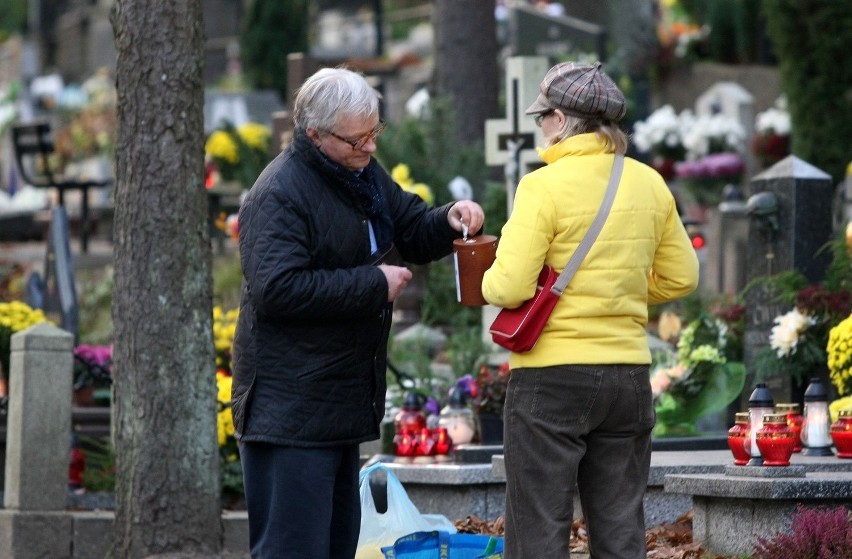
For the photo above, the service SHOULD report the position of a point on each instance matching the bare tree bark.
(466, 63)
(163, 417)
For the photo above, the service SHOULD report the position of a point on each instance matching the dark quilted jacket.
(311, 339)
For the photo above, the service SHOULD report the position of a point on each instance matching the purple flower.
(94, 354)
(715, 165)
(432, 406)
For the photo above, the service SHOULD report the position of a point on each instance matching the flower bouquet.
(230, 467)
(839, 351)
(798, 341)
(14, 317)
(771, 142)
(661, 135)
(237, 153)
(696, 382)
(714, 145)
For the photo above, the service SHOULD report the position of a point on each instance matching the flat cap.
(581, 90)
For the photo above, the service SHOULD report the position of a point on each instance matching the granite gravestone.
(532, 32)
(787, 239)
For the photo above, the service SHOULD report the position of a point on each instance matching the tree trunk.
(466, 63)
(164, 415)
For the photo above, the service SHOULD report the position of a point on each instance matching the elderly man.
(315, 315)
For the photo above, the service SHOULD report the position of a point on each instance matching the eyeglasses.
(541, 116)
(360, 142)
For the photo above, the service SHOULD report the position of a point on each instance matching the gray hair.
(331, 92)
(613, 137)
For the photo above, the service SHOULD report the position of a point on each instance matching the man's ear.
(314, 135)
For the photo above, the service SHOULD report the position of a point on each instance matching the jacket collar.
(581, 144)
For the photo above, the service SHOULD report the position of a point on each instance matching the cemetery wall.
(685, 84)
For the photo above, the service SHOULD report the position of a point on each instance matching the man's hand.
(468, 212)
(397, 278)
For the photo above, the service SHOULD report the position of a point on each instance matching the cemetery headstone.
(802, 226)
(734, 101)
(534, 33)
(33, 520)
(511, 141)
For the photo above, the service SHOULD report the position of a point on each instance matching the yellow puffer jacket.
(642, 256)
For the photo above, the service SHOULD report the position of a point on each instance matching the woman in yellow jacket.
(579, 410)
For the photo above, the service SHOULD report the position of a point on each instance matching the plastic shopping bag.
(443, 545)
(401, 518)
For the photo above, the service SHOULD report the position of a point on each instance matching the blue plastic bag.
(443, 545)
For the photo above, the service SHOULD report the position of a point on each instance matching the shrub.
(815, 533)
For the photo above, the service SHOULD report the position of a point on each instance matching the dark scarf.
(363, 187)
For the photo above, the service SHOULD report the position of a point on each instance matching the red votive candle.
(775, 440)
(737, 436)
(794, 421)
(841, 434)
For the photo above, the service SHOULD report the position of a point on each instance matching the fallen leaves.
(666, 541)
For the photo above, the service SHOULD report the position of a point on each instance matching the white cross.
(511, 141)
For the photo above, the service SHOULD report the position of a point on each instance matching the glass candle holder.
(443, 441)
(457, 418)
(737, 437)
(816, 437)
(425, 443)
(760, 404)
(794, 421)
(410, 417)
(775, 440)
(841, 434)
(405, 444)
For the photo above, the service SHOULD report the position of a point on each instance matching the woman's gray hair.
(332, 92)
(612, 136)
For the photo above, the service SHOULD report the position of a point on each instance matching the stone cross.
(511, 141)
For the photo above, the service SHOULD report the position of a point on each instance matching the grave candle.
(737, 436)
(841, 434)
(775, 440)
(816, 440)
(794, 421)
(760, 403)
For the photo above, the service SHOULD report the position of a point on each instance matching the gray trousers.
(577, 426)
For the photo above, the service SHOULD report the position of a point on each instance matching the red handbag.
(518, 329)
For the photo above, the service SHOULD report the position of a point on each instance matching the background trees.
(811, 41)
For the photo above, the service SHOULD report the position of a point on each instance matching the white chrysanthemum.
(787, 330)
(775, 120)
(714, 133)
(661, 128)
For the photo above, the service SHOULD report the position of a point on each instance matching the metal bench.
(33, 145)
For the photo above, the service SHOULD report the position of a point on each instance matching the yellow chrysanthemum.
(224, 420)
(839, 356)
(401, 174)
(834, 408)
(423, 191)
(221, 145)
(255, 135)
(224, 328)
(17, 316)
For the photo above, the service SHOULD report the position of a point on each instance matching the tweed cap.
(581, 90)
